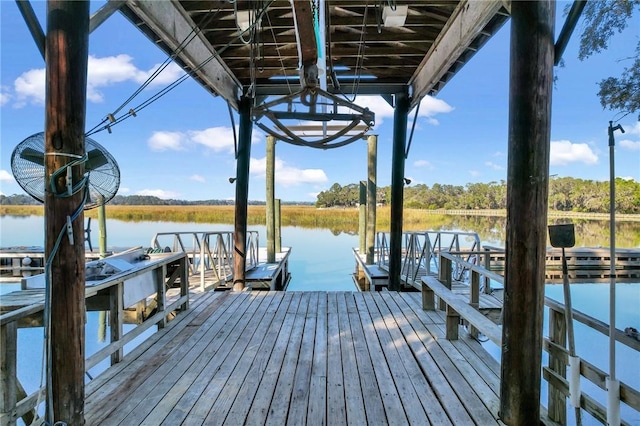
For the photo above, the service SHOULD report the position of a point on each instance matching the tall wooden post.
(362, 217)
(102, 227)
(372, 184)
(278, 226)
(67, 44)
(531, 69)
(271, 217)
(397, 189)
(242, 194)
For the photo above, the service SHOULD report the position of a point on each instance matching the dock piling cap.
(562, 235)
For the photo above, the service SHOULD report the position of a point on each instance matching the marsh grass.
(345, 220)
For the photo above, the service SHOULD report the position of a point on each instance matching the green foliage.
(565, 194)
(601, 21)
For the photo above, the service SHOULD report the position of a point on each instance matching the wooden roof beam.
(466, 23)
(307, 43)
(173, 25)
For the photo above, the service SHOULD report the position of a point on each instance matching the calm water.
(323, 260)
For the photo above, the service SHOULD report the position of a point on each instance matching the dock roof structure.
(365, 50)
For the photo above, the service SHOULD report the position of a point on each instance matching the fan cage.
(101, 170)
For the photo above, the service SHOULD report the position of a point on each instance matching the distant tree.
(602, 19)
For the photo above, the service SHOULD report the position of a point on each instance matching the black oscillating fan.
(27, 165)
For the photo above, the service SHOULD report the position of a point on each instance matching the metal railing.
(209, 252)
(420, 251)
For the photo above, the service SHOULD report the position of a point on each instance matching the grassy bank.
(303, 216)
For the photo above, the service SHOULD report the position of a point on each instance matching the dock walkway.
(300, 358)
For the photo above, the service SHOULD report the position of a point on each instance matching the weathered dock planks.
(300, 358)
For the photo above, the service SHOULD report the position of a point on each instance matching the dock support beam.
(67, 43)
(372, 184)
(397, 188)
(242, 194)
(531, 80)
(271, 216)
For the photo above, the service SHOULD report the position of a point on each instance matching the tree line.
(565, 194)
(140, 200)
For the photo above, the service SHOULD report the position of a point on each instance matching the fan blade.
(95, 160)
(33, 155)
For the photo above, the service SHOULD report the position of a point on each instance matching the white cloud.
(286, 175)
(423, 163)
(218, 139)
(430, 106)
(631, 145)
(164, 141)
(101, 72)
(493, 165)
(197, 178)
(5, 176)
(5, 97)
(124, 190)
(564, 152)
(633, 129)
(474, 173)
(29, 87)
(160, 193)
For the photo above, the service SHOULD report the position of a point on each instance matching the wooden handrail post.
(557, 402)
(8, 368)
(444, 276)
(475, 298)
(116, 318)
(487, 266)
(162, 294)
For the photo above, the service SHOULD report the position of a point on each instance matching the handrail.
(15, 405)
(421, 248)
(555, 372)
(209, 252)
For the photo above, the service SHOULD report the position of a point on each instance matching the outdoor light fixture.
(394, 17)
(243, 19)
(407, 181)
(232, 179)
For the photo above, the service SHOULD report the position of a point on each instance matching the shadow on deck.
(298, 358)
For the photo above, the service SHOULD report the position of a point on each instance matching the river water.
(322, 259)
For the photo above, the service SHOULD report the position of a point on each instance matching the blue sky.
(182, 145)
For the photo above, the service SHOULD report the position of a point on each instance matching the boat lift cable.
(279, 54)
(191, 73)
(413, 127)
(192, 34)
(233, 128)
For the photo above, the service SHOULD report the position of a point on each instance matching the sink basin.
(98, 277)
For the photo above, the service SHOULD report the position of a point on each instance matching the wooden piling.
(67, 44)
(271, 220)
(278, 222)
(372, 184)
(397, 189)
(531, 79)
(102, 227)
(242, 194)
(362, 217)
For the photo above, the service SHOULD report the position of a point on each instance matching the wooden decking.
(300, 358)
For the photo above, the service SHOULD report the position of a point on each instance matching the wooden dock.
(300, 358)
